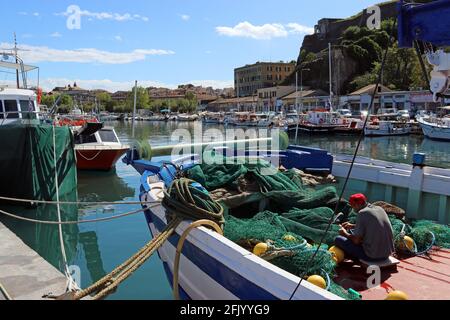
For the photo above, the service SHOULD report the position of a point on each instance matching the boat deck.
(421, 278)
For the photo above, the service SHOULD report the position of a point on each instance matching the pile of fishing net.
(294, 217)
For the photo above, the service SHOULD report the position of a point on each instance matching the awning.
(16, 66)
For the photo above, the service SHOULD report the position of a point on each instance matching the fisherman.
(371, 238)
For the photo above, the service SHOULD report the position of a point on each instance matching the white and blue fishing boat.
(213, 267)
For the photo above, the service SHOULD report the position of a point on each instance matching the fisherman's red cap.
(358, 199)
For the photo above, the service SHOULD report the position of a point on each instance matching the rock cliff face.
(345, 68)
(331, 30)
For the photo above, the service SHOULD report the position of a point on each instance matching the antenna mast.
(17, 60)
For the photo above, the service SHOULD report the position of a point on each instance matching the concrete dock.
(23, 273)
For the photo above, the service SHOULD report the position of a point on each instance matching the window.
(25, 107)
(1, 109)
(107, 136)
(11, 106)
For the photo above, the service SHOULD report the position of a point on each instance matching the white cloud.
(247, 30)
(56, 35)
(34, 54)
(118, 38)
(185, 17)
(263, 32)
(296, 28)
(23, 13)
(107, 16)
(113, 86)
(208, 51)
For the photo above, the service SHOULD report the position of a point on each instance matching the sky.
(158, 43)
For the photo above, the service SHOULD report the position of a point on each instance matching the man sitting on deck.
(371, 238)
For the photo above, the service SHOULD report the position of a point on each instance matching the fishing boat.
(266, 120)
(387, 122)
(320, 121)
(17, 105)
(437, 128)
(213, 118)
(213, 267)
(28, 153)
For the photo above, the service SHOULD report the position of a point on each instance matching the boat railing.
(25, 115)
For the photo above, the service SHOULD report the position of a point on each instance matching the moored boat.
(97, 147)
(213, 267)
(436, 128)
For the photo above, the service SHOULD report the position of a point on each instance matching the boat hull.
(214, 268)
(98, 159)
(434, 131)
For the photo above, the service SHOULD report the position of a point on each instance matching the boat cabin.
(104, 136)
(17, 104)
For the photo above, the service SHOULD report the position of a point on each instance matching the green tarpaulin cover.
(27, 168)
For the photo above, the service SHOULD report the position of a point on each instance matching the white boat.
(436, 128)
(267, 120)
(387, 128)
(187, 117)
(213, 118)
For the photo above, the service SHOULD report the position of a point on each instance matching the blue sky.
(163, 43)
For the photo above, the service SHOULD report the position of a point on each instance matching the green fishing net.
(292, 210)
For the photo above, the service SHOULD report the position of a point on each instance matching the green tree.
(104, 100)
(65, 104)
(142, 101)
(48, 100)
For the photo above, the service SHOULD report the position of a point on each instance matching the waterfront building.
(234, 104)
(308, 99)
(412, 101)
(248, 79)
(269, 99)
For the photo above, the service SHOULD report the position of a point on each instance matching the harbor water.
(97, 248)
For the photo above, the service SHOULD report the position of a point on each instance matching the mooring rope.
(77, 221)
(71, 284)
(108, 283)
(81, 203)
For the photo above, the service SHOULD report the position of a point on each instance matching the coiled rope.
(185, 201)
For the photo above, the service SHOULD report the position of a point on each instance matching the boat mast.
(331, 84)
(17, 61)
(134, 109)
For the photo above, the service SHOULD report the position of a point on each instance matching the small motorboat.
(97, 147)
